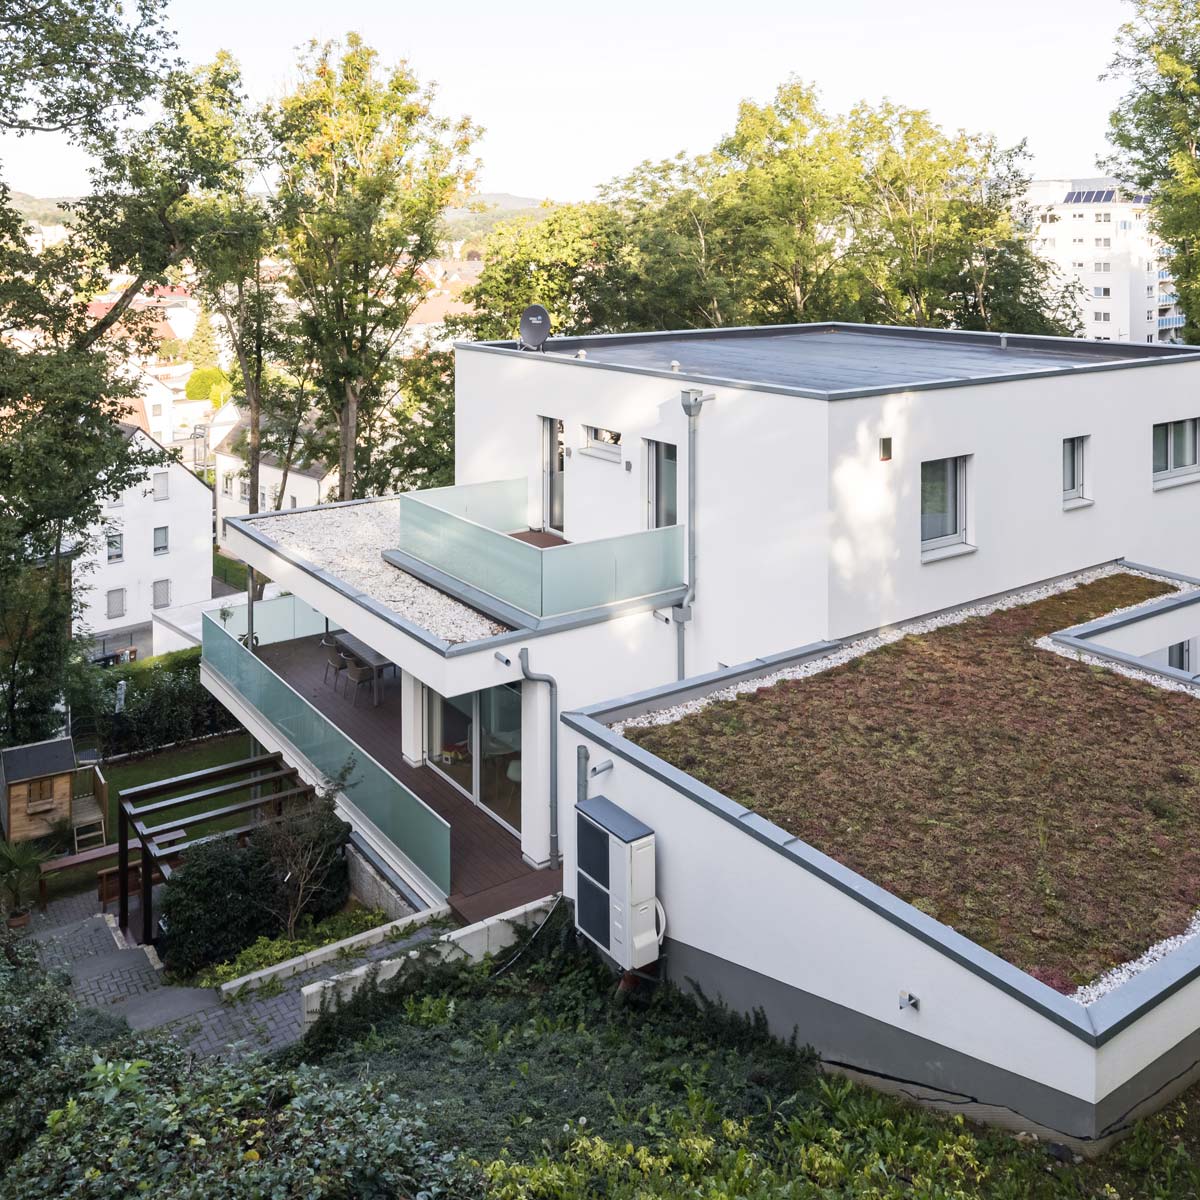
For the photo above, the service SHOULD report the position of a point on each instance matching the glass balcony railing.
(414, 828)
(464, 533)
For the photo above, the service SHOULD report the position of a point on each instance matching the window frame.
(600, 447)
(1185, 656)
(154, 605)
(119, 539)
(1079, 455)
(108, 607)
(959, 537)
(166, 546)
(1171, 471)
(165, 476)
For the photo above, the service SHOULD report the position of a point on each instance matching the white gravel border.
(1089, 993)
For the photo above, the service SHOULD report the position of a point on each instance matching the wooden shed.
(39, 788)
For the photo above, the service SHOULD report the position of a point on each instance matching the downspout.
(692, 400)
(548, 679)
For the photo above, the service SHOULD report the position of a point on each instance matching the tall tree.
(1155, 133)
(202, 345)
(366, 171)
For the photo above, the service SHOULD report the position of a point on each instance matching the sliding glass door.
(553, 465)
(475, 742)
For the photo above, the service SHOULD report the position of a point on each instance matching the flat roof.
(1047, 810)
(839, 361)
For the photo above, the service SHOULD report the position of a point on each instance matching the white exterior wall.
(230, 469)
(1013, 434)
(722, 891)
(762, 490)
(187, 513)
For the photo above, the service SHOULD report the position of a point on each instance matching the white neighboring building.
(308, 483)
(154, 553)
(1100, 236)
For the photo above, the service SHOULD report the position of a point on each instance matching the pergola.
(272, 785)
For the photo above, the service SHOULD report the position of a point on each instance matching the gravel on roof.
(348, 541)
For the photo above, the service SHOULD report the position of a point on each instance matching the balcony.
(476, 535)
(461, 851)
(1171, 322)
(1167, 301)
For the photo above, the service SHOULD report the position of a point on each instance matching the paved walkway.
(107, 974)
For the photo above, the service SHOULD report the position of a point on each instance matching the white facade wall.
(187, 563)
(231, 479)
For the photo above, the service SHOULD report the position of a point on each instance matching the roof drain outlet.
(548, 679)
(692, 400)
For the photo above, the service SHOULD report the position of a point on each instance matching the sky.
(571, 96)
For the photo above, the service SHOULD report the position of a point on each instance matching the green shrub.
(310, 935)
(222, 897)
(194, 1131)
(202, 380)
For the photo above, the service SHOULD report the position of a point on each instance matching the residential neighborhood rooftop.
(347, 541)
(1046, 808)
(835, 361)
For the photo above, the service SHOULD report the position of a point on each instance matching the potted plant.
(20, 864)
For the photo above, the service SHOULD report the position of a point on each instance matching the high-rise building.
(1101, 236)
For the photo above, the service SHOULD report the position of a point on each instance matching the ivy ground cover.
(1047, 809)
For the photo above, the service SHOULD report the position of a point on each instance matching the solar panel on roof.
(1109, 195)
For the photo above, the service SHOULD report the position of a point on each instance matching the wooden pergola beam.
(144, 791)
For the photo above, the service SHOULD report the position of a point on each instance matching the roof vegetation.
(1047, 809)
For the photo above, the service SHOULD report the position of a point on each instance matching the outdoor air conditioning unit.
(614, 899)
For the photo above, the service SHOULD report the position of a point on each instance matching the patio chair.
(359, 674)
(335, 662)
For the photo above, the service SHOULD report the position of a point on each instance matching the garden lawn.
(229, 570)
(1047, 809)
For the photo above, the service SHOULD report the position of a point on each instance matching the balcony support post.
(412, 722)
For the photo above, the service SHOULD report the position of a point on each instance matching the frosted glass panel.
(587, 574)
(498, 504)
(399, 815)
(277, 620)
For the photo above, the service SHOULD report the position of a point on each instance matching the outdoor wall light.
(908, 1000)
(885, 449)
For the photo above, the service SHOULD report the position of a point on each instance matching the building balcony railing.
(466, 533)
(1171, 322)
(1167, 301)
(410, 824)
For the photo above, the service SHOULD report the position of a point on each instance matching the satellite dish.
(535, 327)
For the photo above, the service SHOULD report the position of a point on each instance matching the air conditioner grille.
(591, 910)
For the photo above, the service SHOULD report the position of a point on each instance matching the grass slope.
(1046, 809)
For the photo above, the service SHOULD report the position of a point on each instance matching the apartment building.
(306, 482)
(1100, 236)
(153, 552)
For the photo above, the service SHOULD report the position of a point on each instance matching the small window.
(41, 796)
(605, 443)
(1175, 448)
(156, 410)
(162, 539)
(116, 547)
(292, 501)
(246, 490)
(943, 502)
(161, 485)
(1072, 467)
(162, 593)
(227, 483)
(1179, 656)
(262, 498)
(1102, 293)
(115, 603)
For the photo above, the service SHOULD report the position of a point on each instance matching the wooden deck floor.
(487, 873)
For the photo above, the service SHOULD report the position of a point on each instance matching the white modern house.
(645, 514)
(305, 484)
(154, 551)
(1100, 236)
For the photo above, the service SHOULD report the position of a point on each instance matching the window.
(1077, 241)
(1101, 316)
(115, 603)
(604, 443)
(1103, 242)
(262, 498)
(661, 494)
(161, 485)
(246, 490)
(1179, 656)
(943, 502)
(1077, 216)
(1175, 448)
(162, 593)
(227, 484)
(1102, 266)
(1150, 315)
(1150, 292)
(1077, 266)
(116, 547)
(162, 539)
(1102, 293)
(1104, 218)
(1072, 468)
(291, 501)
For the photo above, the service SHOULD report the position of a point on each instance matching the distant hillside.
(40, 210)
(473, 227)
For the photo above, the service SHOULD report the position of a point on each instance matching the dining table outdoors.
(369, 657)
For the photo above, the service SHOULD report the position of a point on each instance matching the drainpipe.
(691, 399)
(548, 679)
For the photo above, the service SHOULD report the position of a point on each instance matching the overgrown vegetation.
(1046, 809)
(162, 702)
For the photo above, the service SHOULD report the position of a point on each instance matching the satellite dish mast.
(535, 328)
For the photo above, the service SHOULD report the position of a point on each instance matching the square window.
(1179, 656)
(943, 502)
(162, 539)
(162, 593)
(604, 443)
(161, 485)
(116, 547)
(292, 499)
(115, 603)
(1175, 448)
